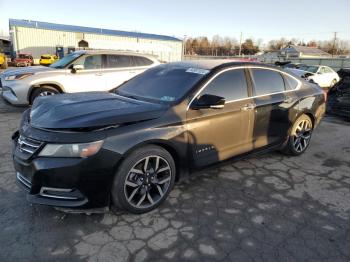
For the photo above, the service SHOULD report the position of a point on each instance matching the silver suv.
(81, 71)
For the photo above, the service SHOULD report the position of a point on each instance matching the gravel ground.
(263, 208)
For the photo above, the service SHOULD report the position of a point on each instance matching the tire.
(42, 91)
(139, 191)
(4, 65)
(334, 81)
(299, 137)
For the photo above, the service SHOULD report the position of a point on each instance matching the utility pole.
(240, 44)
(334, 40)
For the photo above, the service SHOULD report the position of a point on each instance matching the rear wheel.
(334, 81)
(300, 136)
(43, 91)
(4, 65)
(143, 180)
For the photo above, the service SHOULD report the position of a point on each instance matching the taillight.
(325, 94)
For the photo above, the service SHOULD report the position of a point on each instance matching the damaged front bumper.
(79, 183)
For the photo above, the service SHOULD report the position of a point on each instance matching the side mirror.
(208, 101)
(76, 68)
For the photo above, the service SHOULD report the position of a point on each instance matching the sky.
(257, 19)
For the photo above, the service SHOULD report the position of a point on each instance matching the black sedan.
(128, 147)
(339, 96)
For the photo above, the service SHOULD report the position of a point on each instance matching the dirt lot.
(266, 208)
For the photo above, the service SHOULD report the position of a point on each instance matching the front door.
(90, 78)
(218, 134)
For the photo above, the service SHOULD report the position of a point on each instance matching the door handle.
(98, 74)
(289, 99)
(132, 72)
(247, 107)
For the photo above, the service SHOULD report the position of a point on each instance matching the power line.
(335, 39)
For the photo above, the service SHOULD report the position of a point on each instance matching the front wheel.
(143, 180)
(43, 91)
(300, 136)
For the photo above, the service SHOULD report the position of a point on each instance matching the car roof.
(219, 63)
(112, 52)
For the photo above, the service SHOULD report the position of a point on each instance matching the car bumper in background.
(15, 92)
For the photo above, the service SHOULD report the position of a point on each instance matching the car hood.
(91, 110)
(26, 70)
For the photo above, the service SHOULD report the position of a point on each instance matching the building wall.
(41, 41)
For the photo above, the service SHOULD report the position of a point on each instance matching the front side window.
(230, 85)
(322, 70)
(117, 61)
(164, 83)
(267, 82)
(90, 62)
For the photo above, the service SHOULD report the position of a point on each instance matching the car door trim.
(249, 97)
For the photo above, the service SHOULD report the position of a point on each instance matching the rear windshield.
(45, 57)
(164, 83)
(24, 56)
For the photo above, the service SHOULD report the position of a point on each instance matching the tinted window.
(267, 81)
(166, 83)
(115, 61)
(322, 70)
(231, 85)
(89, 62)
(291, 83)
(142, 61)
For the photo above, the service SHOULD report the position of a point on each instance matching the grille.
(28, 145)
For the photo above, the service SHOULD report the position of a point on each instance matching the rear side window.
(231, 85)
(328, 70)
(117, 61)
(267, 82)
(142, 61)
(291, 83)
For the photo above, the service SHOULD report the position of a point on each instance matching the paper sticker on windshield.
(167, 98)
(197, 71)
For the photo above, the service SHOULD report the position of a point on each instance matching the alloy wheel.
(302, 135)
(47, 93)
(147, 182)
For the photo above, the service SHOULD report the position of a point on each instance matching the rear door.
(273, 103)
(117, 69)
(323, 77)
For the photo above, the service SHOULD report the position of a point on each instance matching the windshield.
(164, 83)
(62, 63)
(311, 69)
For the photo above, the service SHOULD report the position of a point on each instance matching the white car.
(81, 71)
(324, 76)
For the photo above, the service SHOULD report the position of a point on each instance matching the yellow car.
(48, 59)
(3, 61)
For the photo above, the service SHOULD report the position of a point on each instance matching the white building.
(40, 38)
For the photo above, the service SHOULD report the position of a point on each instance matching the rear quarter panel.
(311, 102)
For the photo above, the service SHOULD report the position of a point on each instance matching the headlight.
(17, 77)
(71, 150)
